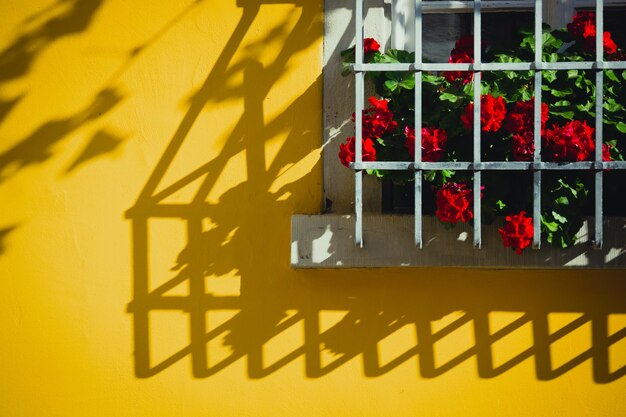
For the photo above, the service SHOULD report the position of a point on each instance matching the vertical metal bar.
(597, 244)
(358, 208)
(358, 120)
(418, 122)
(537, 126)
(477, 127)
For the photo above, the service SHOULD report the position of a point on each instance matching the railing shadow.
(438, 319)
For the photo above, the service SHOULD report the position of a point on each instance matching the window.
(330, 240)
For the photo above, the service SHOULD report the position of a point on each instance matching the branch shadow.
(42, 29)
(4, 233)
(101, 143)
(39, 145)
(338, 316)
(71, 17)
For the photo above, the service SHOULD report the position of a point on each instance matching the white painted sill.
(327, 241)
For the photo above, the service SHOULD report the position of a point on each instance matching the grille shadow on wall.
(438, 322)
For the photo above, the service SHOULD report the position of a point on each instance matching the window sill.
(327, 241)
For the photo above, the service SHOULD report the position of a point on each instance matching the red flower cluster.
(347, 151)
(521, 117)
(378, 119)
(572, 142)
(463, 52)
(454, 203)
(583, 28)
(433, 141)
(523, 146)
(520, 122)
(370, 45)
(518, 232)
(492, 112)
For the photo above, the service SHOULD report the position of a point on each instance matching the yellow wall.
(152, 152)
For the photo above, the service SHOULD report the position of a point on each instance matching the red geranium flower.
(583, 28)
(523, 146)
(463, 52)
(521, 117)
(589, 44)
(347, 150)
(370, 45)
(573, 142)
(583, 25)
(433, 141)
(518, 232)
(492, 112)
(606, 152)
(378, 119)
(454, 203)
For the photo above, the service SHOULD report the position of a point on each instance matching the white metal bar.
(492, 166)
(477, 127)
(497, 6)
(537, 126)
(417, 106)
(491, 66)
(358, 120)
(597, 243)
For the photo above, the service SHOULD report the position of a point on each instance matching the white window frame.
(369, 239)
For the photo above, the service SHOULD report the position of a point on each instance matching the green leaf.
(621, 126)
(390, 57)
(558, 217)
(550, 41)
(447, 173)
(553, 57)
(408, 83)
(549, 75)
(569, 115)
(585, 107)
(562, 200)
(391, 85)
(572, 73)
(561, 93)
(430, 175)
(448, 97)
(468, 89)
(567, 187)
(500, 204)
(612, 106)
(432, 79)
(610, 74)
(551, 226)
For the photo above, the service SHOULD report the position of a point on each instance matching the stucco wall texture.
(151, 155)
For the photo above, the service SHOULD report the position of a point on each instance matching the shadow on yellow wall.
(42, 29)
(249, 237)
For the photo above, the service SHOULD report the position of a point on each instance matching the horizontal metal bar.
(490, 166)
(468, 6)
(491, 66)
(429, 7)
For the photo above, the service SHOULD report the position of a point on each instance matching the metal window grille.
(476, 166)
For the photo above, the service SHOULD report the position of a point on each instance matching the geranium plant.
(507, 126)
